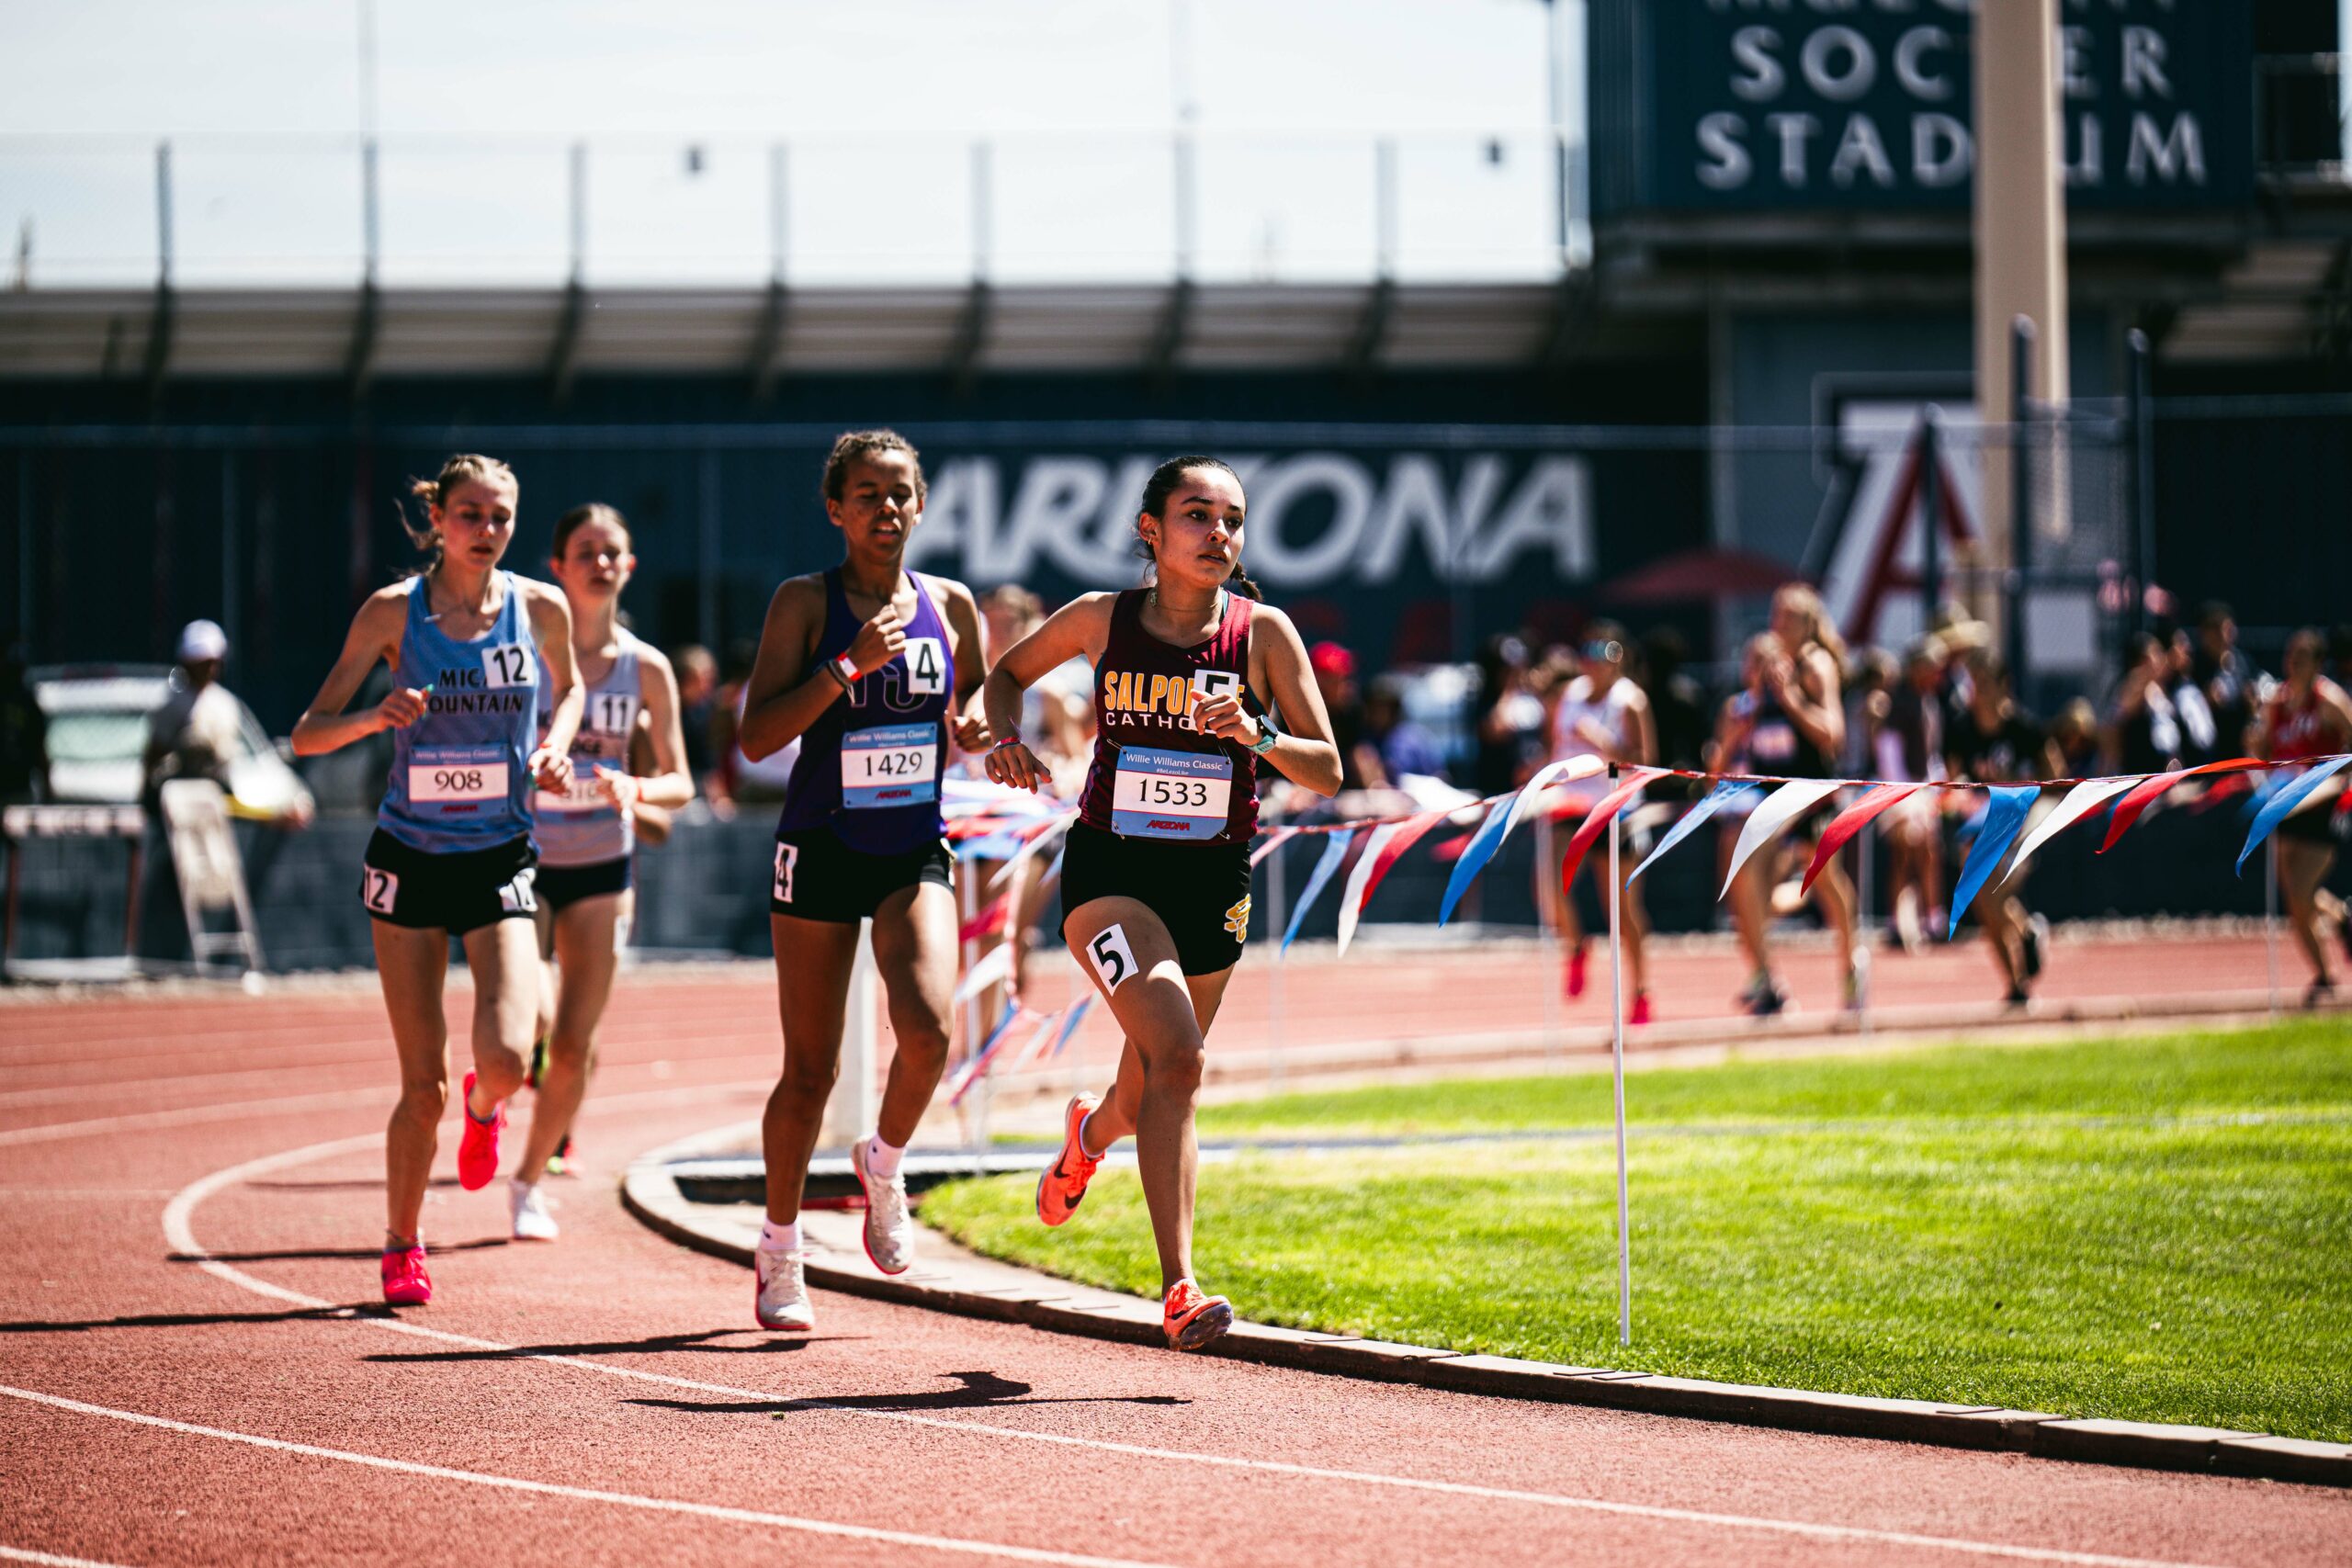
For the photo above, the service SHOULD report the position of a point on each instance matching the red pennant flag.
(1597, 820)
(1404, 839)
(2142, 794)
(1853, 819)
(987, 923)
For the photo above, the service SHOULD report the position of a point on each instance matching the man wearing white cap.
(194, 733)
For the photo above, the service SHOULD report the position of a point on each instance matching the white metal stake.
(1274, 980)
(1550, 920)
(969, 899)
(1617, 1029)
(2270, 919)
(1862, 923)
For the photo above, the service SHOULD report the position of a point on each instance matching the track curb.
(954, 1280)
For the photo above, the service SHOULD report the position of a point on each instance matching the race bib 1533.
(1171, 795)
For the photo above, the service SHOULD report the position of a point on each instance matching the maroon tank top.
(1154, 774)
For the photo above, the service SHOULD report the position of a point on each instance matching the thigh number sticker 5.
(1114, 959)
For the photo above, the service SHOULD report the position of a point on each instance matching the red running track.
(193, 1186)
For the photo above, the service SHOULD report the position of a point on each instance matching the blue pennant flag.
(2282, 804)
(2005, 813)
(1335, 850)
(1715, 800)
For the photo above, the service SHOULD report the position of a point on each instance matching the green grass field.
(2151, 1229)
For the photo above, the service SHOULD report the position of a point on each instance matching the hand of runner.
(552, 770)
(620, 788)
(1222, 717)
(972, 733)
(402, 706)
(878, 641)
(1018, 766)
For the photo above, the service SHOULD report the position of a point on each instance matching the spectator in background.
(2000, 743)
(1869, 702)
(1399, 746)
(194, 733)
(1678, 704)
(2075, 734)
(2199, 736)
(1910, 750)
(2227, 677)
(1335, 678)
(1509, 718)
(2143, 730)
(697, 704)
(2339, 655)
(24, 736)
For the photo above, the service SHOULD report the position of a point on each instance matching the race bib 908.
(457, 778)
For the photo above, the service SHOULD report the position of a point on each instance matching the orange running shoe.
(1063, 1183)
(1576, 971)
(477, 1149)
(406, 1284)
(1190, 1319)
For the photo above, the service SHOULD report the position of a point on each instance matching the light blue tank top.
(583, 827)
(461, 777)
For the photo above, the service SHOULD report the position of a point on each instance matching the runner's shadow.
(298, 1252)
(359, 1184)
(202, 1319)
(981, 1391)
(655, 1345)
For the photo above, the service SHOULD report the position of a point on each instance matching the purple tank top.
(869, 767)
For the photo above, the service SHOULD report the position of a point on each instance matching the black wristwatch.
(1267, 735)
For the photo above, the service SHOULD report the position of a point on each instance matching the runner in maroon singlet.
(1156, 877)
(2309, 716)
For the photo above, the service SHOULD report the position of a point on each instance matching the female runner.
(2309, 716)
(586, 837)
(1156, 875)
(1601, 712)
(1790, 722)
(865, 665)
(452, 854)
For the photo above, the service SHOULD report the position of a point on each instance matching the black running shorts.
(1201, 892)
(818, 877)
(560, 887)
(457, 893)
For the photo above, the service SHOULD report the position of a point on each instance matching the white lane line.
(144, 1121)
(182, 1237)
(19, 1554)
(584, 1493)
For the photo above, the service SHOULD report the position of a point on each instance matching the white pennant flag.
(1780, 808)
(2081, 801)
(996, 964)
(1351, 900)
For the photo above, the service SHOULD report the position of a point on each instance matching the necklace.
(1216, 616)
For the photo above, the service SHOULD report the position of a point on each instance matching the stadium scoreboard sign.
(1745, 105)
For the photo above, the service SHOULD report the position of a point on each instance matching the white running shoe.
(889, 1234)
(529, 1208)
(782, 1300)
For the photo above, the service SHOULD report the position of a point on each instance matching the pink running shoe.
(477, 1150)
(406, 1284)
(1063, 1183)
(1641, 1013)
(1576, 970)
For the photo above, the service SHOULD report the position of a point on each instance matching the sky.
(476, 102)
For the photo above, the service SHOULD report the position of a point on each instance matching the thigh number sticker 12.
(895, 764)
(1171, 795)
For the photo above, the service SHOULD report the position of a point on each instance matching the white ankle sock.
(1081, 1135)
(780, 1238)
(882, 1158)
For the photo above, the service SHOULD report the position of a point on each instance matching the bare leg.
(1833, 893)
(2004, 920)
(411, 965)
(2302, 867)
(586, 935)
(1750, 914)
(914, 951)
(504, 959)
(812, 964)
(1634, 920)
(1157, 1008)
